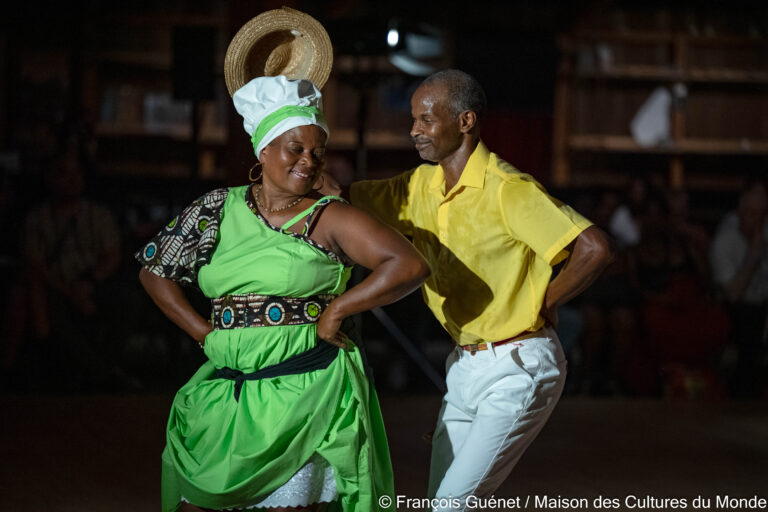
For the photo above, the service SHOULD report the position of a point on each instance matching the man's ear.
(467, 121)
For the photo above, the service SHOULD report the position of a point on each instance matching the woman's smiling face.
(293, 161)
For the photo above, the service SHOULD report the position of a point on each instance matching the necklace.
(273, 210)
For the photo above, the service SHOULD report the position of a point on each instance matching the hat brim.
(279, 42)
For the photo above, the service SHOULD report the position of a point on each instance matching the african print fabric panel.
(253, 310)
(186, 243)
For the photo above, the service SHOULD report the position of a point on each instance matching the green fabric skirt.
(222, 453)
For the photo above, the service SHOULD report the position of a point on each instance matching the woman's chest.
(253, 258)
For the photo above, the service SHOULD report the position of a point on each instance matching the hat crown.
(279, 42)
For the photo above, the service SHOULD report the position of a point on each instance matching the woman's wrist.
(201, 331)
(334, 311)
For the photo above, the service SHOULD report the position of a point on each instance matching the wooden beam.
(692, 146)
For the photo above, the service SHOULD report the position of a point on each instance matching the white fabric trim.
(315, 482)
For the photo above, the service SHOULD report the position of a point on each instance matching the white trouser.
(497, 402)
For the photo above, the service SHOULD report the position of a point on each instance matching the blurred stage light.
(393, 37)
(418, 46)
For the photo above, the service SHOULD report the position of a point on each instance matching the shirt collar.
(473, 174)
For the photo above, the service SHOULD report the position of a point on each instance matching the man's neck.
(453, 165)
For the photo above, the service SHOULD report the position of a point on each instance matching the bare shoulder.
(343, 212)
(342, 222)
(338, 219)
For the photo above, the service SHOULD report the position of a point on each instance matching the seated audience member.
(685, 329)
(70, 247)
(739, 259)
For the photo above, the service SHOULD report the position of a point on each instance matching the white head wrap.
(272, 105)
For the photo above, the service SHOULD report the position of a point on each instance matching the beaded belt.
(252, 310)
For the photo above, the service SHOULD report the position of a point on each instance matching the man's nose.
(415, 129)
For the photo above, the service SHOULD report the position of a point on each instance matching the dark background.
(79, 74)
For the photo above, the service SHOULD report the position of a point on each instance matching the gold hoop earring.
(250, 173)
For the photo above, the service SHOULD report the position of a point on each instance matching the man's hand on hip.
(328, 185)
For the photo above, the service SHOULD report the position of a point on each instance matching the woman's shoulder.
(215, 197)
(339, 213)
(323, 203)
(215, 201)
(335, 204)
(323, 200)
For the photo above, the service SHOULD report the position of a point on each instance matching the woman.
(277, 419)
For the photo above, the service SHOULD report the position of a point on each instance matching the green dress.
(227, 453)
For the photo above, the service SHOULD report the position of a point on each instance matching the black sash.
(318, 357)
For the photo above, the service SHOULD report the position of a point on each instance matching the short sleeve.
(537, 219)
(187, 242)
(387, 200)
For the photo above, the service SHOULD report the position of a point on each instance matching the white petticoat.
(313, 483)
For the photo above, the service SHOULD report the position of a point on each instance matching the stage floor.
(102, 453)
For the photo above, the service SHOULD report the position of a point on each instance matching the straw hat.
(279, 42)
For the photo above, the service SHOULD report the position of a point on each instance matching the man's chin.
(429, 157)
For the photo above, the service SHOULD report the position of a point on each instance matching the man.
(739, 259)
(491, 235)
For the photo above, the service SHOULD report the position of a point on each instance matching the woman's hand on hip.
(328, 326)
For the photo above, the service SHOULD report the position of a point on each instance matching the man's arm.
(592, 252)
(385, 199)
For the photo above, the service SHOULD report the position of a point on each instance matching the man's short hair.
(464, 91)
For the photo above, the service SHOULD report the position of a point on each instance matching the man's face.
(435, 130)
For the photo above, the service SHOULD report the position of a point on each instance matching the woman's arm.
(397, 267)
(171, 300)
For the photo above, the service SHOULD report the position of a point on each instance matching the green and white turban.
(272, 105)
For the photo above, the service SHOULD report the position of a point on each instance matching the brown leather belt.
(474, 348)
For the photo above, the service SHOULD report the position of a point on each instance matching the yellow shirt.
(491, 241)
